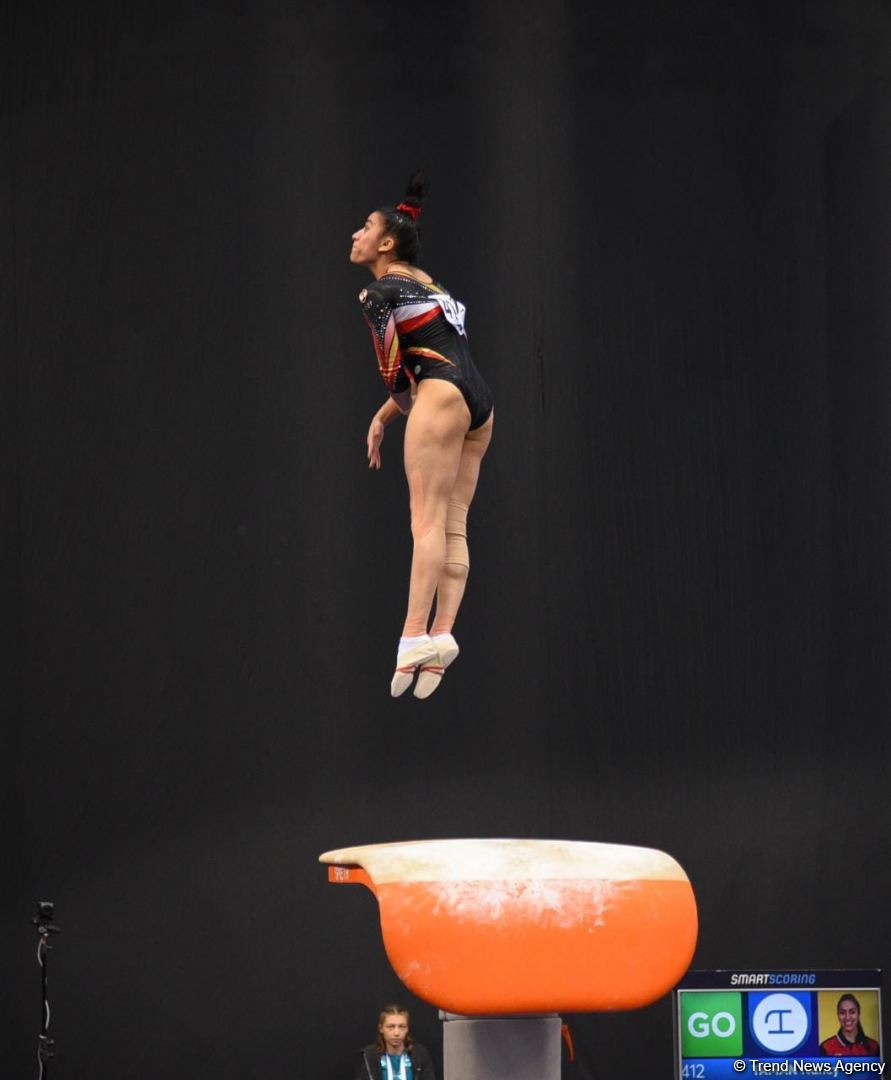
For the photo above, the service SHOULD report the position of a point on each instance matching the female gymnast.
(850, 1040)
(424, 360)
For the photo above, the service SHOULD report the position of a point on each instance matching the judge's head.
(393, 1030)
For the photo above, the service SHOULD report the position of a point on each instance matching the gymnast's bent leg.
(434, 440)
(456, 565)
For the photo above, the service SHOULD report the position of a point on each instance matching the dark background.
(670, 223)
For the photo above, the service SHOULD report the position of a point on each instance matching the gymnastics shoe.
(407, 664)
(430, 675)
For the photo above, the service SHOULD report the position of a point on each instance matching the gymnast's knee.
(457, 559)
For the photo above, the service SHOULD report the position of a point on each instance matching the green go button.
(711, 1025)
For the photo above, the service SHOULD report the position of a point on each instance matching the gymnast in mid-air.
(424, 360)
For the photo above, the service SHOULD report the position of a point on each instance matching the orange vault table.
(507, 927)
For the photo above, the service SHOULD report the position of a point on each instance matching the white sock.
(406, 643)
(440, 637)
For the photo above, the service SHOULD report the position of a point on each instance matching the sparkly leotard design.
(418, 333)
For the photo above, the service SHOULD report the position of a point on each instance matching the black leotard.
(418, 333)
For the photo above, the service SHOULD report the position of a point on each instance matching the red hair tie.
(412, 211)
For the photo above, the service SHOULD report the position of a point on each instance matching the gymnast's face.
(848, 1018)
(369, 242)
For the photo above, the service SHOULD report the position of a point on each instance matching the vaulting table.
(496, 928)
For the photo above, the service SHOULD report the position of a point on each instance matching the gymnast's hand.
(374, 440)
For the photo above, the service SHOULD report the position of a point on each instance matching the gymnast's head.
(848, 1009)
(391, 233)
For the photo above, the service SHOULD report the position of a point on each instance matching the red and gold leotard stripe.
(418, 333)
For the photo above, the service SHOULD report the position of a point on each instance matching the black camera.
(43, 920)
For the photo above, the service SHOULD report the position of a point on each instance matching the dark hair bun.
(401, 220)
(415, 190)
(417, 186)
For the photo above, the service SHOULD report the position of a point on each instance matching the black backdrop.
(670, 223)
